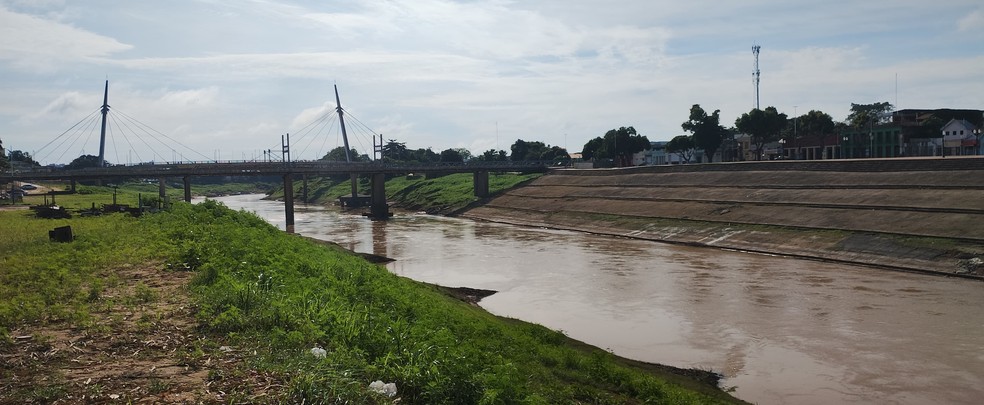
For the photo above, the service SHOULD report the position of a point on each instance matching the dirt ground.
(140, 346)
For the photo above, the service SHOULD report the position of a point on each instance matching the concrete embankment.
(923, 215)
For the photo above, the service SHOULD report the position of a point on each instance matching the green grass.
(46, 281)
(279, 295)
(129, 192)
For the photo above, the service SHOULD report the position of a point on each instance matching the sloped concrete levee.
(924, 215)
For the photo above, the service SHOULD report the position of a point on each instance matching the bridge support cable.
(86, 119)
(153, 152)
(128, 143)
(86, 131)
(324, 122)
(70, 137)
(153, 133)
(364, 131)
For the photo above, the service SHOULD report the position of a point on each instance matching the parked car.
(29, 187)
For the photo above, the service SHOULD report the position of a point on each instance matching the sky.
(226, 79)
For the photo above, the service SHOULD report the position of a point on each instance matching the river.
(781, 330)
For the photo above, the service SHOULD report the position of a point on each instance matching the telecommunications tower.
(756, 74)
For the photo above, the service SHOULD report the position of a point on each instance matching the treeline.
(397, 152)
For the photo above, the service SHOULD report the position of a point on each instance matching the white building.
(960, 137)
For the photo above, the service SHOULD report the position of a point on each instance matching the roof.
(959, 124)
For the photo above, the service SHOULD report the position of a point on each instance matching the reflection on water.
(781, 330)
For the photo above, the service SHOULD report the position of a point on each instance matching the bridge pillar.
(355, 184)
(304, 190)
(187, 188)
(481, 183)
(289, 202)
(71, 187)
(378, 207)
(161, 187)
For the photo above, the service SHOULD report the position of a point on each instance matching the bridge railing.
(205, 168)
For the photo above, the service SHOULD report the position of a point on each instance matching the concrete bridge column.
(161, 187)
(378, 207)
(187, 188)
(289, 202)
(355, 184)
(71, 187)
(481, 184)
(304, 190)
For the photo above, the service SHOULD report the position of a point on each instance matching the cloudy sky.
(229, 77)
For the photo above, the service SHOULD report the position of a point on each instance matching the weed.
(143, 293)
(47, 393)
(95, 290)
(158, 386)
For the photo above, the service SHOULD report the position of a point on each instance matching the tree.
(522, 150)
(466, 154)
(452, 156)
(706, 129)
(4, 165)
(423, 156)
(394, 151)
(338, 155)
(618, 144)
(555, 154)
(84, 161)
(21, 156)
(492, 155)
(763, 126)
(866, 115)
(814, 123)
(682, 145)
(817, 124)
(592, 149)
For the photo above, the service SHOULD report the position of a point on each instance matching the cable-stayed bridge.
(272, 164)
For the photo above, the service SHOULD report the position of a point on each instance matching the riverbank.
(206, 304)
(900, 220)
(439, 195)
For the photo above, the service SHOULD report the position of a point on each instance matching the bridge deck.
(266, 169)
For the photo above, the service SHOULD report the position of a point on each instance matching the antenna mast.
(756, 74)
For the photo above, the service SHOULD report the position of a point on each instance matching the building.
(960, 137)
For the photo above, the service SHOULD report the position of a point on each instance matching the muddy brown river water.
(781, 330)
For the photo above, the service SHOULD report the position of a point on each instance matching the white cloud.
(236, 75)
(29, 43)
(972, 22)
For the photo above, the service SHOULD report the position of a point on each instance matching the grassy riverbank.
(128, 193)
(207, 304)
(438, 195)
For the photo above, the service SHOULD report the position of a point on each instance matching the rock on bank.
(923, 215)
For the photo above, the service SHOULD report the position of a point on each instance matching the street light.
(844, 153)
(977, 134)
(782, 151)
